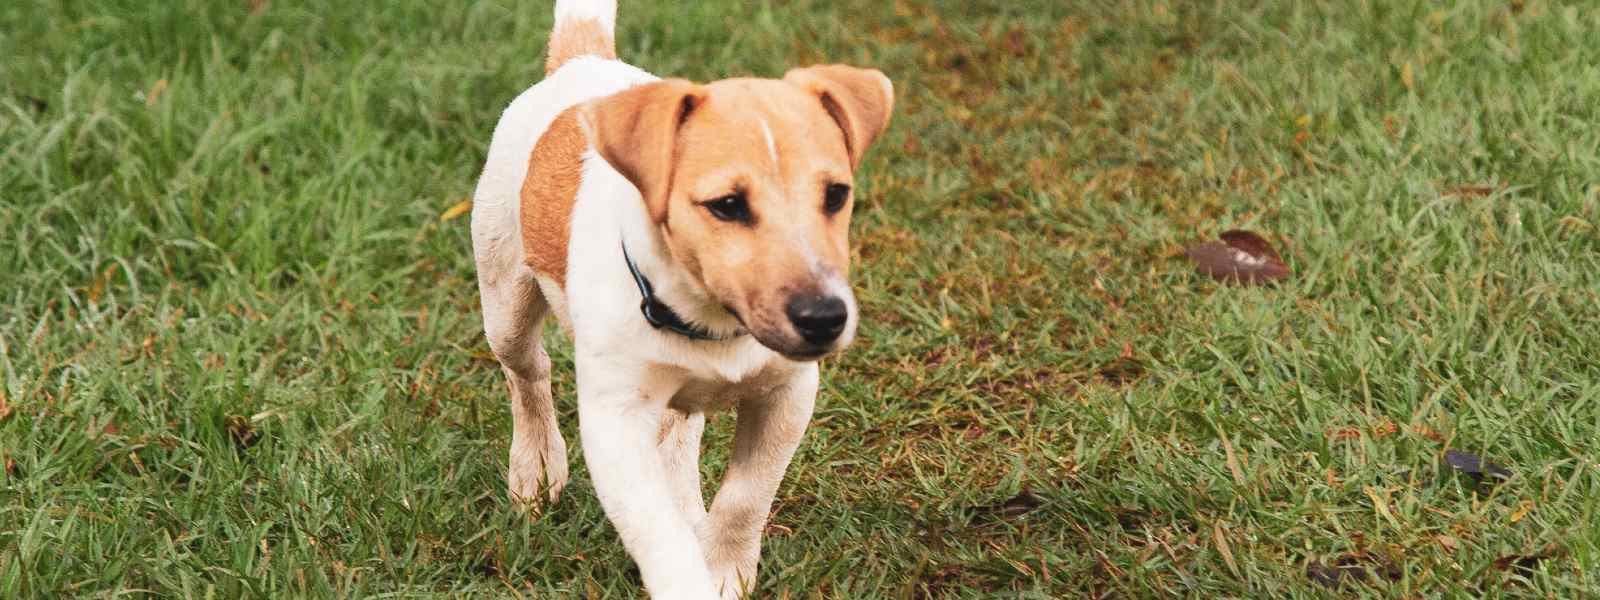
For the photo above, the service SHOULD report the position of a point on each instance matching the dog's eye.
(833, 200)
(731, 208)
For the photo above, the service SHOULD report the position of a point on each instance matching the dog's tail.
(583, 28)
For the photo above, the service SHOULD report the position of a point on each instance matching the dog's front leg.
(619, 413)
(768, 432)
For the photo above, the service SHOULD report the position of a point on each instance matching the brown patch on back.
(548, 193)
(578, 37)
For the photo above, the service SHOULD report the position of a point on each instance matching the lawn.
(241, 352)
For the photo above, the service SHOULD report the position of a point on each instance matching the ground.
(241, 352)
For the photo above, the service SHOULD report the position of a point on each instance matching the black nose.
(819, 319)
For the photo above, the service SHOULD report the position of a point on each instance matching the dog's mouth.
(806, 356)
(800, 334)
(794, 347)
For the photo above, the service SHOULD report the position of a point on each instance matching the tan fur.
(636, 131)
(860, 101)
(682, 144)
(554, 169)
(578, 37)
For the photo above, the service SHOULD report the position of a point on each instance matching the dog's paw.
(733, 574)
(536, 474)
(733, 582)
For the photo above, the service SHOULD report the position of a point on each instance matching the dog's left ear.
(859, 100)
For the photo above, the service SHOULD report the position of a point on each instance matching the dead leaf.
(1344, 433)
(1524, 565)
(1233, 462)
(460, 208)
(155, 92)
(1017, 42)
(1223, 548)
(39, 105)
(100, 283)
(96, 431)
(1523, 509)
(1023, 503)
(1471, 191)
(1336, 575)
(1242, 258)
(1384, 429)
(1427, 432)
(1354, 567)
(5, 407)
(1475, 466)
(244, 434)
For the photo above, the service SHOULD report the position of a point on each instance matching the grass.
(241, 356)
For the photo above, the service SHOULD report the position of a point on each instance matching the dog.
(693, 242)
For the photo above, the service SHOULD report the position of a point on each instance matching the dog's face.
(750, 182)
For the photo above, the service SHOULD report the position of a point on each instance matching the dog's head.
(750, 183)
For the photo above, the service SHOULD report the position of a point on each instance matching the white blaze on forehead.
(772, 147)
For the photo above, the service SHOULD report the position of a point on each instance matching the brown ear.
(859, 100)
(636, 131)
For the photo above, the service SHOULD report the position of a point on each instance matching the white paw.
(538, 471)
(733, 582)
(733, 577)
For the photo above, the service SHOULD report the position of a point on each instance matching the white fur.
(603, 10)
(641, 392)
(772, 147)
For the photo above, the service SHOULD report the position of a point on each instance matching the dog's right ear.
(636, 130)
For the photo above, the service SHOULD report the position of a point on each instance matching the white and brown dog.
(693, 241)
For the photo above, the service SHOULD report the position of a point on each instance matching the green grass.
(241, 352)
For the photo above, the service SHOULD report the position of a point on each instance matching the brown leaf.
(1471, 191)
(1241, 258)
(1475, 466)
(1223, 548)
(1250, 243)
(1384, 429)
(154, 94)
(1344, 433)
(1335, 575)
(1357, 567)
(97, 431)
(1524, 565)
(1017, 42)
(5, 407)
(243, 433)
(1427, 432)
(38, 104)
(1023, 503)
(459, 208)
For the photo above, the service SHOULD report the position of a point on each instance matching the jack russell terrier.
(692, 240)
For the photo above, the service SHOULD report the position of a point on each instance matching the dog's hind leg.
(513, 311)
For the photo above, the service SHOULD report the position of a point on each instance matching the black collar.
(661, 316)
